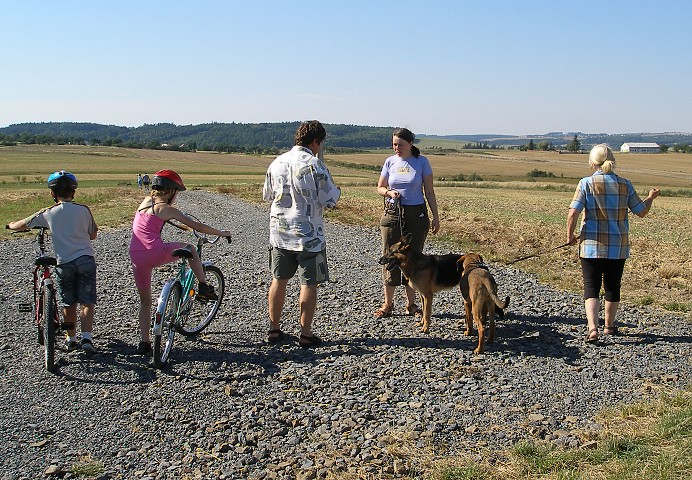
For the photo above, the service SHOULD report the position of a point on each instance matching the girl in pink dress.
(148, 250)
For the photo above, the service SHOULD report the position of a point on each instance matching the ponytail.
(415, 151)
(608, 166)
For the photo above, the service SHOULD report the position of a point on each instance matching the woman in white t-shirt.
(406, 183)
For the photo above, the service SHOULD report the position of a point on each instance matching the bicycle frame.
(42, 280)
(186, 278)
(44, 290)
(179, 309)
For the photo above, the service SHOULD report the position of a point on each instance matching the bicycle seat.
(182, 252)
(45, 261)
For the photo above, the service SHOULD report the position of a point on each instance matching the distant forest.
(273, 138)
(259, 138)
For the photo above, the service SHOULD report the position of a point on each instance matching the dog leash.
(396, 206)
(541, 253)
(400, 213)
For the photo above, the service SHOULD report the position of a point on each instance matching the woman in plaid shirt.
(605, 199)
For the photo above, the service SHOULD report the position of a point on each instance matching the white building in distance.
(640, 147)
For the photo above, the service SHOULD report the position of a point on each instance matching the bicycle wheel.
(48, 327)
(163, 343)
(198, 315)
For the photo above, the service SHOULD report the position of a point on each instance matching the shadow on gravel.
(212, 358)
(538, 336)
(112, 356)
(644, 338)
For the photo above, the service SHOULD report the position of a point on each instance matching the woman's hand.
(391, 193)
(435, 225)
(653, 193)
(571, 239)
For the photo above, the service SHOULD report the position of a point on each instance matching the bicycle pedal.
(25, 307)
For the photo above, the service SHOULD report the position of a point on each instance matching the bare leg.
(389, 295)
(308, 303)
(196, 265)
(611, 309)
(144, 314)
(70, 316)
(592, 307)
(410, 295)
(87, 317)
(277, 297)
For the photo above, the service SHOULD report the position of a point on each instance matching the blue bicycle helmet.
(62, 179)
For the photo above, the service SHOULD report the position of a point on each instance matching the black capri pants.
(602, 271)
(416, 222)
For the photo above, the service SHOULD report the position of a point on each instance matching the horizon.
(442, 68)
(488, 134)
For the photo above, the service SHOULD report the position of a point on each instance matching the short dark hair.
(308, 132)
(63, 192)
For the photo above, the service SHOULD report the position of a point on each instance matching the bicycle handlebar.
(202, 236)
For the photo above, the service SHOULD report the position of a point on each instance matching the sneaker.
(206, 293)
(143, 348)
(87, 346)
(72, 345)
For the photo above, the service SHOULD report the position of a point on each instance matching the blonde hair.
(602, 157)
(157, 193)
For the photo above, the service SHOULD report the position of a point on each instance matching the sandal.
(143, 348)
(306, 341)
(384, 311)
(590, 337)
(611, 330)
(275, 335)
(414, 310)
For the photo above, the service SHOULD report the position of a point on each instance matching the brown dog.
(427, 274)
(479, 290)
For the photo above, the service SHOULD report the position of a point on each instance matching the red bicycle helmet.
(167, 180)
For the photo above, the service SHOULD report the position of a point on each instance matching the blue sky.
(434, 66)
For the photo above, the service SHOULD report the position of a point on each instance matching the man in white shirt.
(300, 187)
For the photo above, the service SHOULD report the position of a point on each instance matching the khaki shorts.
(416, 222)
(311, 266)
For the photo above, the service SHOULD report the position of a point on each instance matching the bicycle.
(45, 306)
(178, 309)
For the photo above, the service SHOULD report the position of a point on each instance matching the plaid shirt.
(605, 199)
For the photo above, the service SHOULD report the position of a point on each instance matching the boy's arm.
(94, 228)
(18, 225)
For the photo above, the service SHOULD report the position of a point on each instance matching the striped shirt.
(605, 200)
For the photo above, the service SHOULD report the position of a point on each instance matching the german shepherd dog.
(479, 290)
(427, 274)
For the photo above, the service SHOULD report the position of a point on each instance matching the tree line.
(273, 138)
(259, 138)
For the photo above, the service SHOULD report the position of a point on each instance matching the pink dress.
(147, 249)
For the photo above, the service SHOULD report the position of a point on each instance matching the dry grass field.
(504, 215)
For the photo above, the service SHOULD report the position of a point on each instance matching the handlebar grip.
(7, 226)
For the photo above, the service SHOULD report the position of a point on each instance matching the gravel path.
(375, 399)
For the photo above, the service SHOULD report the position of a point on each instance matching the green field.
(503, 214)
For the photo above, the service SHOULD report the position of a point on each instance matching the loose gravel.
(374, 400)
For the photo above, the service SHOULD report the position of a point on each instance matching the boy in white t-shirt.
(73, 228)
